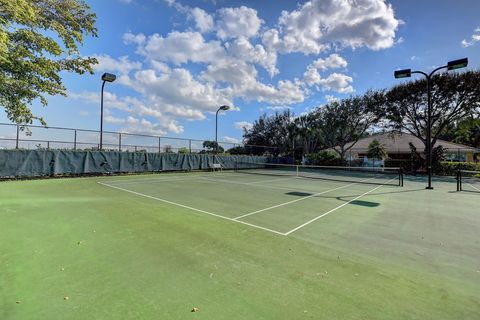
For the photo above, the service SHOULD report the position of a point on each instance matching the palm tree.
(376, 151)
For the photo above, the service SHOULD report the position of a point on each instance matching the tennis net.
(368, 175)
(468, 180)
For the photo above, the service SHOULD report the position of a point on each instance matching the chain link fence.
(32, 137)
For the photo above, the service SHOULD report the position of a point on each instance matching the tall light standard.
(106, 77)
(222, 108)
(406, 73)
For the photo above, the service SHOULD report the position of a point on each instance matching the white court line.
(191, 208)
(334, 209)
(297, 200)
(273, 180)
(254, 185)
(152, 180)
(471, 185)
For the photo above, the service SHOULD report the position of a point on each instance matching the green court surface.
(237, 246)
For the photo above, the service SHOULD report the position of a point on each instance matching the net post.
(18, 134)
(459, 180)
(297, 169)
(75, 140)
(400, 173)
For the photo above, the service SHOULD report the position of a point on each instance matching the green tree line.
(339, 124)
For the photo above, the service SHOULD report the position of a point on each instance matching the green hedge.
(448, 168)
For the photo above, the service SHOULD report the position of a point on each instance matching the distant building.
(398, 147)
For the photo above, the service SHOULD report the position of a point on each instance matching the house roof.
(399, 143)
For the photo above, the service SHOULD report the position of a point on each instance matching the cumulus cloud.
(203, 20)
(278, 108)
(231, 139)
(318, 25)
(237, 22)
(475, 37)
(243, 50)
(331, 62)
(120, 65)
(243, 125)
(177, 47)
(243, 80)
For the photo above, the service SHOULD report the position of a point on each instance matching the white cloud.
(331, 98)
(243, 50)
(475, 37)
(113, 120)
(243, 125)
(84, 113)
(244, 84)
(333, 61)
(334, 82)
(230, 139)
(178, 47)
(203, 20)
(337, 82)
(237, 22)
(319, 25)
(120, 65)
(278, 108)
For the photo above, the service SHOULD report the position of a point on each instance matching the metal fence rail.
(13, 136)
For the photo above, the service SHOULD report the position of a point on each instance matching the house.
(398, 147)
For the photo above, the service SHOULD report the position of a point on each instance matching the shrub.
(325, 158)
(450, 168)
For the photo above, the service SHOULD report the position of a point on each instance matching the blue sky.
(177, 61)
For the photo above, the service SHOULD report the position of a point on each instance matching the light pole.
(222, 108)
(406, 73)
(106, 77)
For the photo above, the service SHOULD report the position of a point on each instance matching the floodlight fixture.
(109, 77)
(405, 73)
(457, 64)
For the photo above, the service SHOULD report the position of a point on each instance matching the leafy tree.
(38, 40)
(308, 133)
(325, 158)
(468, 132)
(344, 122)
(454, 97)
(376, 151)
(183, 150)
(212, 146)
(275, 131)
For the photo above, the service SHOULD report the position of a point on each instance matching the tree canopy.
(38, 40)
(376, 151)
(339, 124)
(455, 96)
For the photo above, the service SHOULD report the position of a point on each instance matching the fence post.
(135, 148)
(159, 145)
(75, 141)
(190, 145)
(119, 141)
(48, 145)
(18, 134)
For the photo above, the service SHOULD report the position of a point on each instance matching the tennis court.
(275, 198)
(274, 242)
